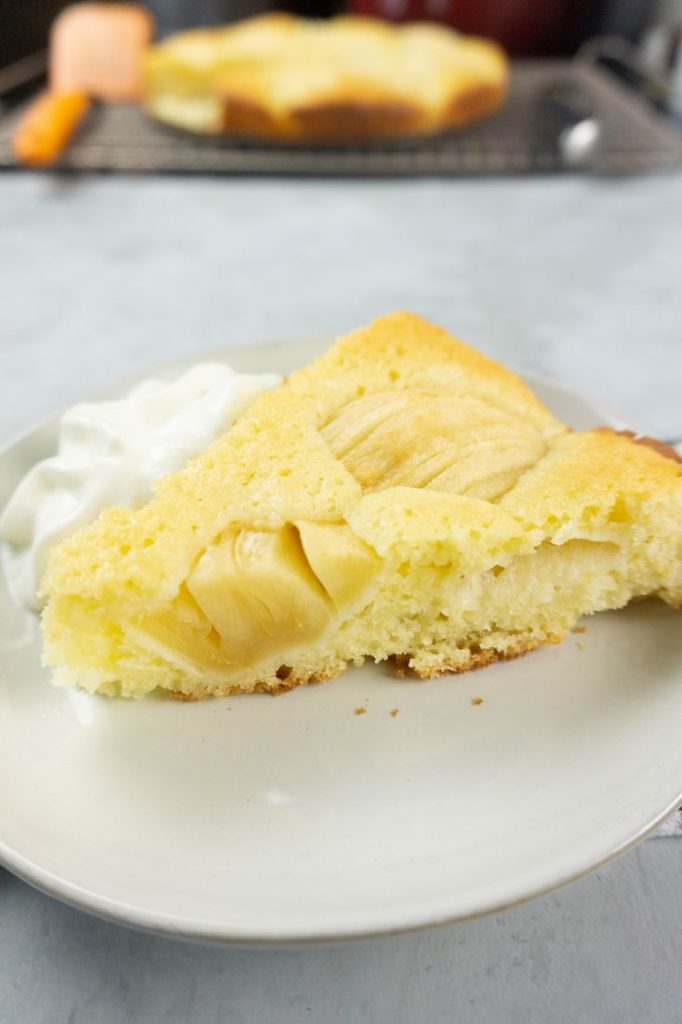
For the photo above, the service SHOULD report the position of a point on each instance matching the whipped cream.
(111, 453)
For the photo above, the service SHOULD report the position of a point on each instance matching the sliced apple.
(258, 591)
(439, 440)
(342, 562)
(181, 635)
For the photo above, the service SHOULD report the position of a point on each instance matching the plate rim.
(190, 930)
(187, 928)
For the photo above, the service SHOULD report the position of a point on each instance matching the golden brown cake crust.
(399, 663)
(349, 79)
(476, 658)
(290, 682)
(352, 120)
(649, 442)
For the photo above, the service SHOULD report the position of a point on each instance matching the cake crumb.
(579, 629)
(581, 647)
(362, 710)
(394, 712)
(477, 700)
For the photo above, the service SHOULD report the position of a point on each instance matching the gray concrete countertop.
(577, 279)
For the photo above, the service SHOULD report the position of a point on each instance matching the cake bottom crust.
(399, 663)
(339, 120)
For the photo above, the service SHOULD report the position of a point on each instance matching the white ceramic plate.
(256, 819)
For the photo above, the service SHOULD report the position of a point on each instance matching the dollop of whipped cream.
(111, 453)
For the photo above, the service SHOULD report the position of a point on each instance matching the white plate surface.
(260, 819)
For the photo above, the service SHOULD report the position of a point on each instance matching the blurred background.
(524, 27)
(560, 112)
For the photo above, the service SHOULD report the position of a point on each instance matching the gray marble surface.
(578, 279)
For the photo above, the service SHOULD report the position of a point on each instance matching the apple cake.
(404, 497)
(349, 78)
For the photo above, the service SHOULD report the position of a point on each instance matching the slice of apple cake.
(403, 497)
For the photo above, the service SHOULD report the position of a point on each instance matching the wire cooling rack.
(518, 139)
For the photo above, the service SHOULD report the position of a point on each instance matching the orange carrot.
(48, 125)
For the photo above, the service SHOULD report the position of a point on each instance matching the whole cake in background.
(275, 77)
(403, 498)
(348, 78)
